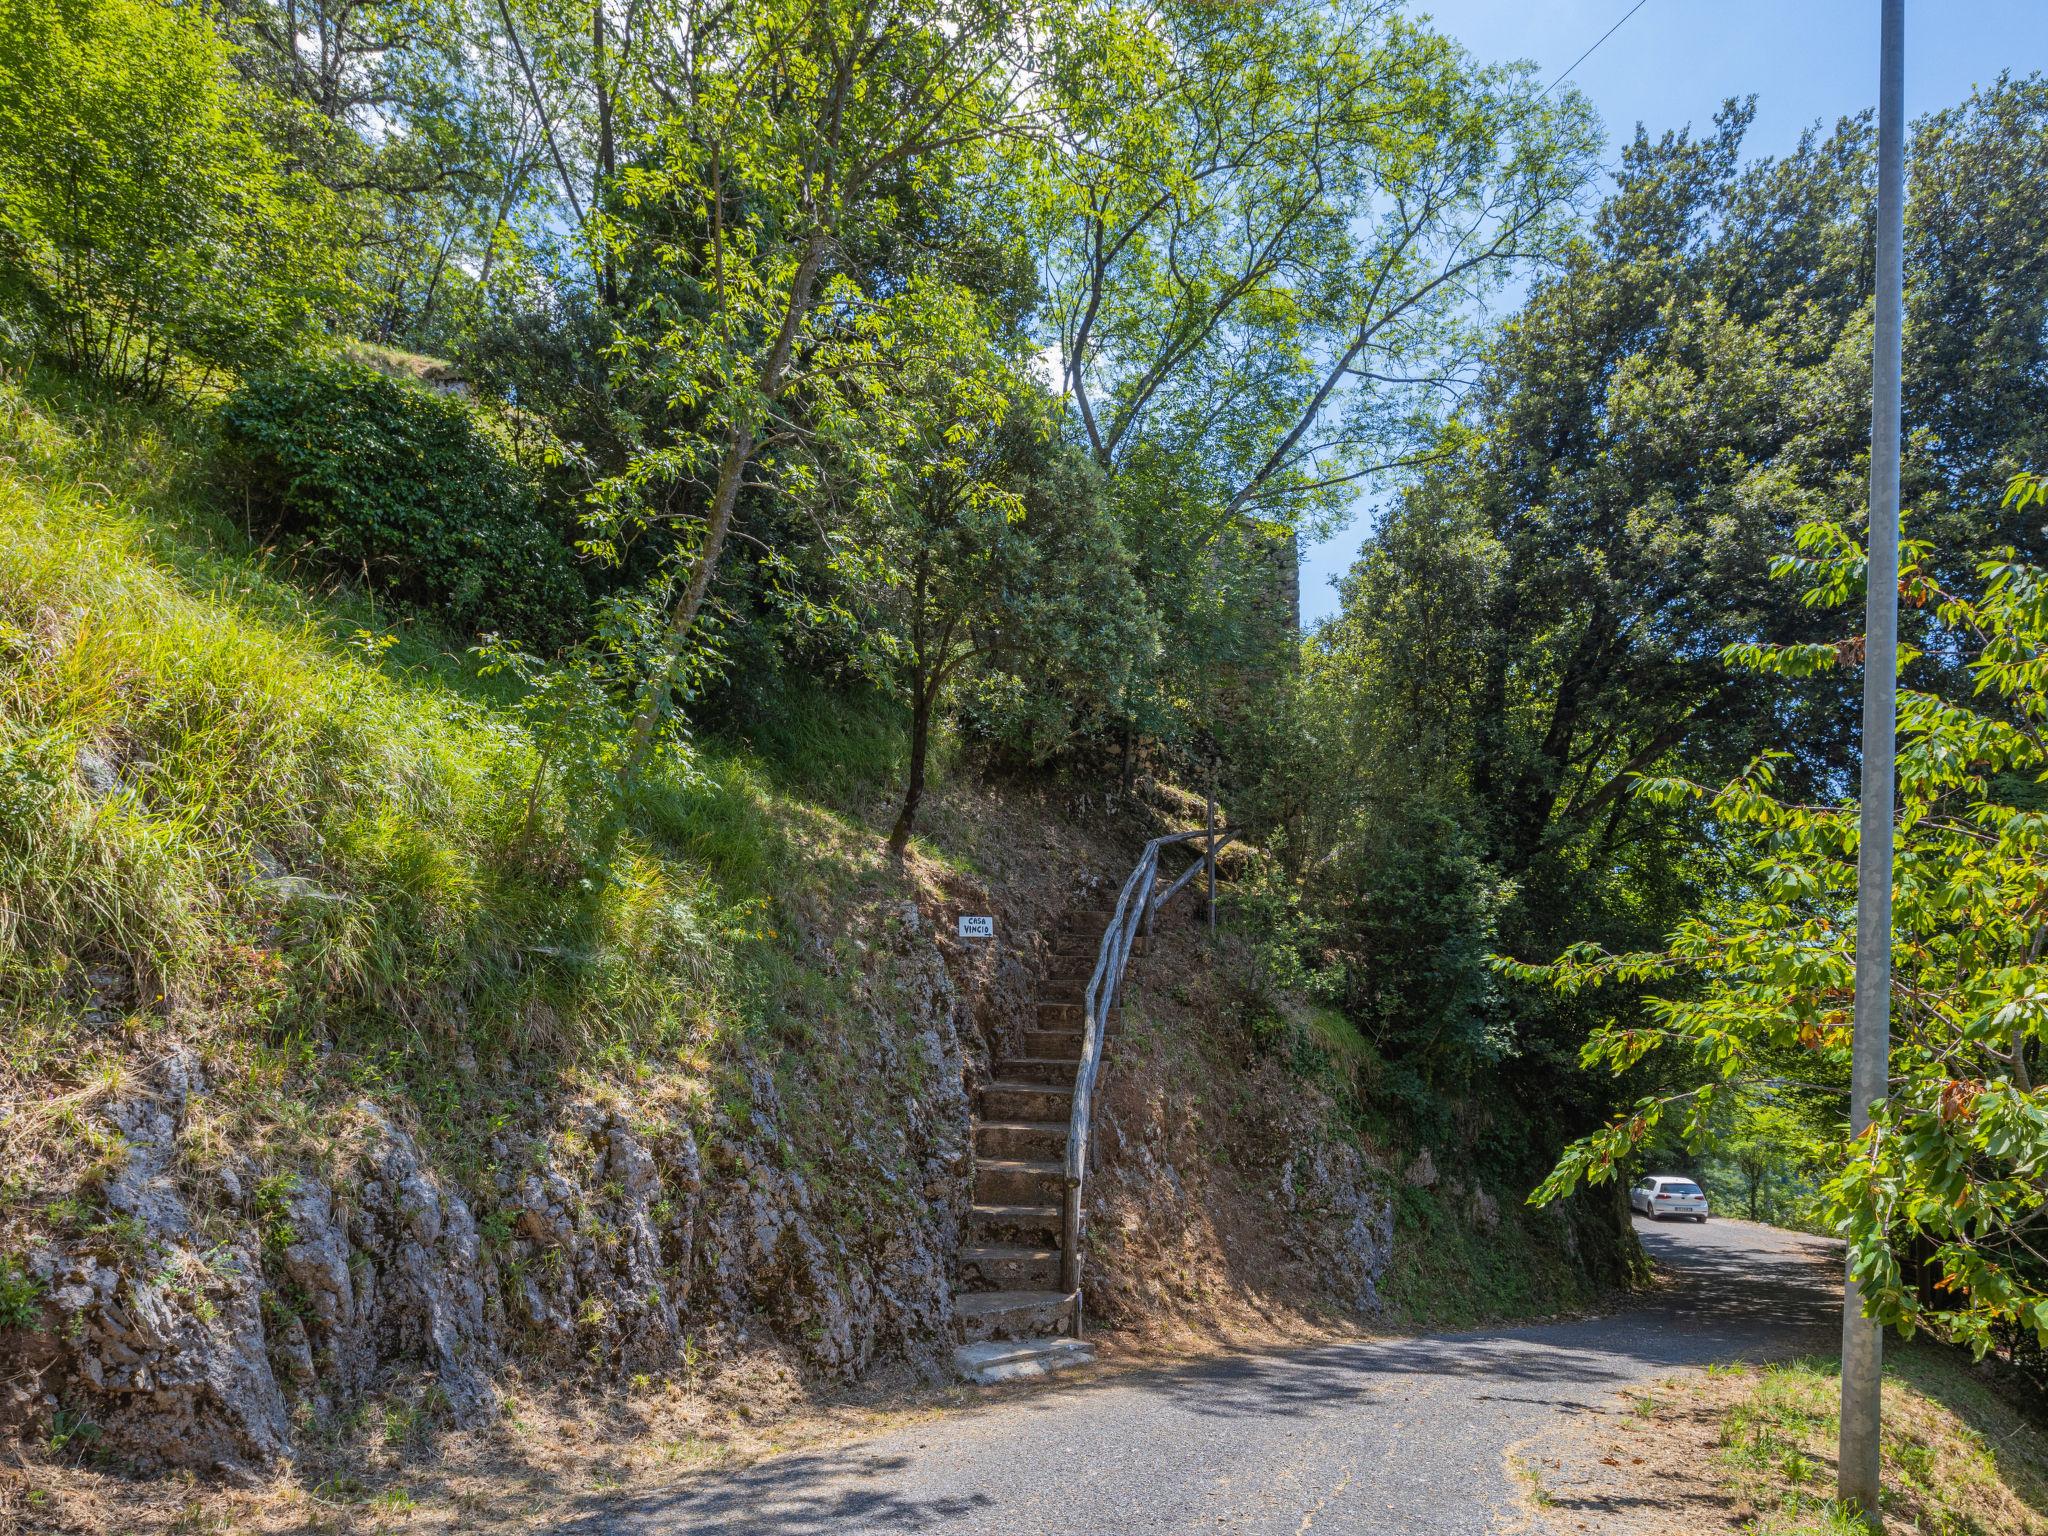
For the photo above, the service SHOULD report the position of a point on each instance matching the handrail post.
(1209, 855)
(1070, 1243)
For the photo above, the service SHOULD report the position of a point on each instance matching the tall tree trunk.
(920, 738)
(683, 617)
(607, 271)
(540, 108)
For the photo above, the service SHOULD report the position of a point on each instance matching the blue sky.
(1675, 62)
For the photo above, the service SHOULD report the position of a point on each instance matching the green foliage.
(1757, 989)
(410, 488)
(780, 226)
(1449, 1272)
(146, 217)
(270, 1202)
(978, 558)
(251, 772)
(73, 1432)
(1412, 932)
(1232, 267)
(1560, 602)
(1768, 1157)
(21, 1294)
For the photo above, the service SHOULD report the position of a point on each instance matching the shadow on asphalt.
(790, 1493)
(1722, 1299)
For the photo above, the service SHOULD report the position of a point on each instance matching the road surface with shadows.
(1379, 1435)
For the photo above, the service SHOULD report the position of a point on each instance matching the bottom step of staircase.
(996, 1360)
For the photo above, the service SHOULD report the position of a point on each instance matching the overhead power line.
(1560, 80)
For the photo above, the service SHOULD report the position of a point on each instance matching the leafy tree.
(145, 218)
(1264, 230)
(787, 138)
(1545, 613)
(417, 115)
(982, 552)
(1777, 1145)
(1955, 1152)
(1265, 234)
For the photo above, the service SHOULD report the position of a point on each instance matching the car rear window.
(1673, 1187)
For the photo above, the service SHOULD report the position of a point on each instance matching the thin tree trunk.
(607, 272)
(541, 110)
(913, 795)
(683, 617)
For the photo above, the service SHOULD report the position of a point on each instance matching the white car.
(1663, 1194)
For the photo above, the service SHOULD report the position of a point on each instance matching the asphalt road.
(1385, 1435)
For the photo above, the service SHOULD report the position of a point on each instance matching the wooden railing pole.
(1126, 923)
(1209, 855)
(1070, 1244)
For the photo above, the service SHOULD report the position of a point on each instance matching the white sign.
(977, 927)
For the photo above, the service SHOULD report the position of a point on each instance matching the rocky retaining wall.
(216, 1314)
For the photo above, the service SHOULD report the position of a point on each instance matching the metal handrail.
(1125, 923)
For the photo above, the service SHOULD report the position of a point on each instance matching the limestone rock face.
(171, 1383)
(243, 1298)
(189, 1351)
(1422, 1172)
(843, 1290)
(1343, 1221)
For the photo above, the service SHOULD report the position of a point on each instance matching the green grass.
(184, 715)
(238, 736)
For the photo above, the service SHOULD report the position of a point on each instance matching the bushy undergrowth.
(408, 487)
(1451, 1270)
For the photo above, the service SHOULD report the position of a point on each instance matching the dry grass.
(1750, 1451)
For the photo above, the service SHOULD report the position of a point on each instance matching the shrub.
(144, 219)
(21, 1295)
(408, 487)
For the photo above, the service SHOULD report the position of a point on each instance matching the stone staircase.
(1014, 1319)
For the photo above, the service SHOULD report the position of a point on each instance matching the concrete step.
(1039, 1072)
(1045, 1140)
(995, 1360)
(1053, 1014)
(1012, 1314)
(1063, 989)
(1053, 1044)
(1075, 966)
(1009, 1267)
(1017, 1181)
(1027, 1225)
(1007, 1099)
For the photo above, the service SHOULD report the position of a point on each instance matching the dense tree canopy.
(1571, 603)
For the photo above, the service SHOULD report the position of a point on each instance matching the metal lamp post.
(1863, 1339)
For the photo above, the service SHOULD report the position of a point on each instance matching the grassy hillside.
(234, 799)
(369, 1073)
(280, 914)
